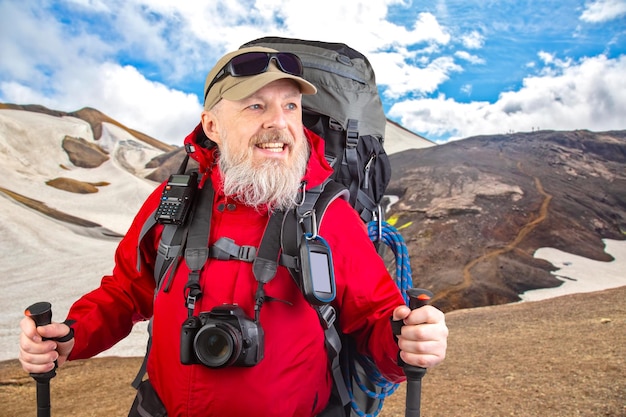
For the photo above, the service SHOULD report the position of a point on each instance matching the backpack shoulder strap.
(306, 218)
(173, 240)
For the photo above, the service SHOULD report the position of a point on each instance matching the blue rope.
(394, 240)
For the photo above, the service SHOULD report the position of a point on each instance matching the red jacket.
(293, 378)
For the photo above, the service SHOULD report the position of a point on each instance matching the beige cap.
(238, 88)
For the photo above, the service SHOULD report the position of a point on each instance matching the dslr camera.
(222, 337)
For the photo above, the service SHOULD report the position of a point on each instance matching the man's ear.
(210, 126)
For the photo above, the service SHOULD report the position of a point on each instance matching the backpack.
(347, 113)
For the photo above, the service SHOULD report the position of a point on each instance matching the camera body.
(222, 337)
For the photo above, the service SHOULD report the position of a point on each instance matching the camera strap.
(197, 250)
(265, 263)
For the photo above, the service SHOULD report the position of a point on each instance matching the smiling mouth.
(272, 146)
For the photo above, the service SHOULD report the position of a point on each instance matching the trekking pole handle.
(417, 298)
(41, 313)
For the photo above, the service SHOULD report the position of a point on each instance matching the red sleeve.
(106, 315)
(366, 293)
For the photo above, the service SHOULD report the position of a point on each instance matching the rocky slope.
(474, 211)
(94, 117)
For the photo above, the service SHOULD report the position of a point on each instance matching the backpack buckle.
(352, 134)
(247, 253)
(334, 125)
(226, 249)
(328, 315)
(168, 251)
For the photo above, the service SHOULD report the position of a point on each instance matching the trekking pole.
(417, 298)
(41, 313)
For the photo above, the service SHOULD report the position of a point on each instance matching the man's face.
(262, 145)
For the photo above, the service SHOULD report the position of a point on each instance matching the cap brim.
(250, 85)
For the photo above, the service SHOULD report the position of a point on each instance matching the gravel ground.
(561, 357)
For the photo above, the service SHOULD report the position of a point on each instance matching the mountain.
(475, 210)
(472, 211)
(95, 119)
(398, 139)
(70, 185)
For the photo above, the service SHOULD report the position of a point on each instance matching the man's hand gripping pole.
(417, 298)
(41, 313)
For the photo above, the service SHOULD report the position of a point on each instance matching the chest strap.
(225, 249)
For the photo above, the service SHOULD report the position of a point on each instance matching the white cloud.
(603, 10)
(34, 44)
(401, 78)
(67, 66)
(466, 56)
(157, 110)
(67, 70)
(224, 25)
(473, 40)
(123, 94)
(589, 94)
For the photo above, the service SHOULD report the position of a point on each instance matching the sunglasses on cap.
(254, 63)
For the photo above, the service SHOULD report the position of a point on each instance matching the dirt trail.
(521, 235)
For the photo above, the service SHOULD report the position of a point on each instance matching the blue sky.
(446, 69)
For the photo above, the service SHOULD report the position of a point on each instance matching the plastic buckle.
(247, 253)
(226, 249)
(167, 251)
(334, 125)
(352, 133)
(329, 315)
(191, 301)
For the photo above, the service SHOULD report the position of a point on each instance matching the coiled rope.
(394, 240)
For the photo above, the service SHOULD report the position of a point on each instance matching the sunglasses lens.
(251, 63)
(254, 63)
(289, 63)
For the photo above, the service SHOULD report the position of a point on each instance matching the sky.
(445, 69)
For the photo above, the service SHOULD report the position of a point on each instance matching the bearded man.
(258, 159)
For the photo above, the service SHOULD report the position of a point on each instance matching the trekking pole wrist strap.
(69, 336)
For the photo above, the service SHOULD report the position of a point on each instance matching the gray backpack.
(347, 113)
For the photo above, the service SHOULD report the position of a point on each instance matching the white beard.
(271, 183)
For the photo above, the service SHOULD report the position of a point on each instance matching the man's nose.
(275, 117)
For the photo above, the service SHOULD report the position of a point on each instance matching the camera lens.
(218, 345)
